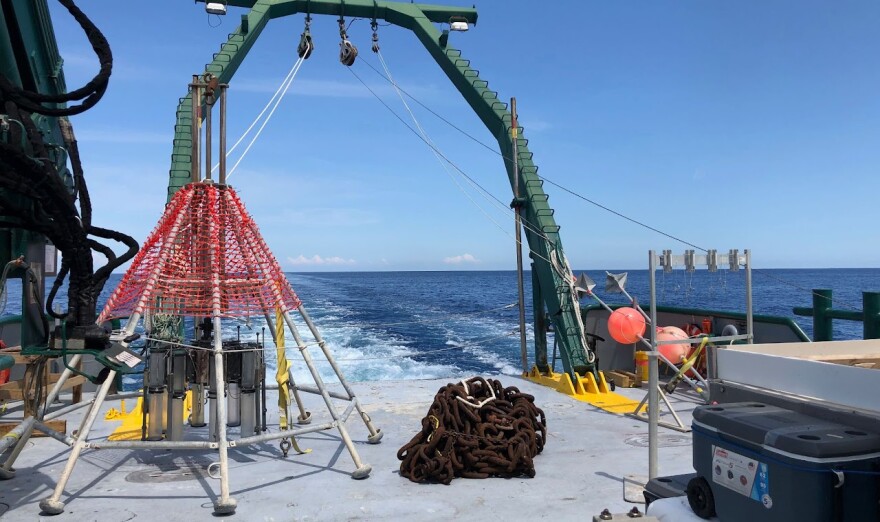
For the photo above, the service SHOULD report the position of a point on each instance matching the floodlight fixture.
(458, 23)
(216, 8)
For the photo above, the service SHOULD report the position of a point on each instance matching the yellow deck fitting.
(130, 429)
(586, 389)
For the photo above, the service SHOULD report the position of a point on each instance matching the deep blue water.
(399, 325)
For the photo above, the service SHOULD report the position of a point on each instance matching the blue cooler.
(757, 462)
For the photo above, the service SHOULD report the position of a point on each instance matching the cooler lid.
(787, 430)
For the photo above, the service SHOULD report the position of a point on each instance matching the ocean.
(416, 325)
(401, 325)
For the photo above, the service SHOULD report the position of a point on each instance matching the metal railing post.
(823, 329)
(871, 311)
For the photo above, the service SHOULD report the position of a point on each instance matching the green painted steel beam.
(359, 9)
(233, 52)
(541, 230)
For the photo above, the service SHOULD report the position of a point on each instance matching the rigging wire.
(584, 198)
(297, 67)
(388, 78)
(424, 136)
(486, 193)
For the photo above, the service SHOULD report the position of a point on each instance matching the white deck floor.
(580, 472)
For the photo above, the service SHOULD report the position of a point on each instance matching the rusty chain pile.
(476, 429)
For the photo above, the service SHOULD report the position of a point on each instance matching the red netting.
(206, 252)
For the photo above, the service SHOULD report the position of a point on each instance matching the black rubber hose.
(90, 93)
(79, 180)
(104, 272)
(59, 280)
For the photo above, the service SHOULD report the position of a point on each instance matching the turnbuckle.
(375, 27)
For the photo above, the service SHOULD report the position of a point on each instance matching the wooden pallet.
(860, 360)
(16, 390)
(56, 424)
(623, 378)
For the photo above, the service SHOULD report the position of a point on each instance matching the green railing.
(823, 315)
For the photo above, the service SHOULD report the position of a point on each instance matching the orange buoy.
(676, 353)
(626, 325)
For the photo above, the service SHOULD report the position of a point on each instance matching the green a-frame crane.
(553, 299)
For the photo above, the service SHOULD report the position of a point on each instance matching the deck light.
(458, 23)
(216, 8)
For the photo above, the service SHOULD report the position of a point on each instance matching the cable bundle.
(476, 429)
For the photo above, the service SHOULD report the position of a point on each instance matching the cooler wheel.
(700, 497)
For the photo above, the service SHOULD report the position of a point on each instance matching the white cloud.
(457, 260)
(302, 260)
(536, 125)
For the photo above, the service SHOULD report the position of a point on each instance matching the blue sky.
(749, 124)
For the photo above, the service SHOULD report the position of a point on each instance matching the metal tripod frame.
(225, 504)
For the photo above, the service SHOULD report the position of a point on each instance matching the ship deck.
(581, 471)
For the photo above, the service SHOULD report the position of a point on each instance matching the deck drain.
(663, 440)
(156, 476)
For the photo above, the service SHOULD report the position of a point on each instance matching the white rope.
(296, 69)
(476, 405)
(286, 79)
(563, 269)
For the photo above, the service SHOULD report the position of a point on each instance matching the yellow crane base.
(586, 389)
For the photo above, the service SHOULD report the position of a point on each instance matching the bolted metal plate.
(155, 476)
(640, 440)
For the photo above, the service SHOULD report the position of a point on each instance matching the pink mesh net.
(205, 256)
